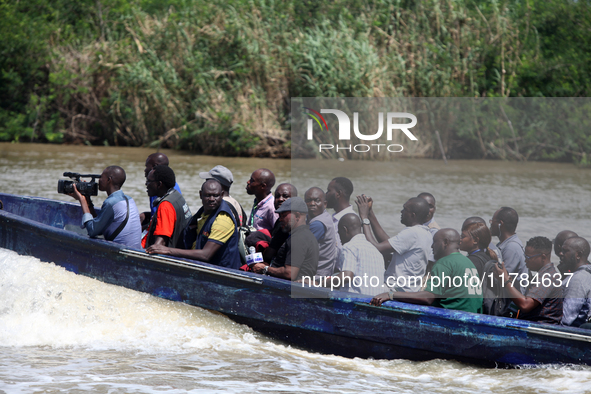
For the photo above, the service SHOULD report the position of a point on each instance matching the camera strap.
(122, 225)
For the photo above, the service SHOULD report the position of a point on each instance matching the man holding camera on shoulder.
(118, 219)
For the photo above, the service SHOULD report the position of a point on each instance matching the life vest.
(228, 254)
(183, 217)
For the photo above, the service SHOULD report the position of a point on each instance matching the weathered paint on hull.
(332, 323)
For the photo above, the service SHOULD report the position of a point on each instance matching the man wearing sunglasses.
(542, 301)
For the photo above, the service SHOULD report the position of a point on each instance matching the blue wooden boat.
(316, 319)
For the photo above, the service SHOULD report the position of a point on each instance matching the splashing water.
(61, 331)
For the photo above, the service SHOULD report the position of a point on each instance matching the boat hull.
(316, 319)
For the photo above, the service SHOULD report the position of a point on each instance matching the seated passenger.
(411, 247)
(322, 227)
(262, 240)
(577, 292)
(298, 256)
(262, 215)
(542, 301)
(225, 178)
(278, 236)
(211, 236)
(430, 223)
(338, 194)
(503, 225)
(474, 241)
(558, 241)
(172, 212)
(442, 289)
(155, 159)
(359, 259)
(477, 219)
(119, 219)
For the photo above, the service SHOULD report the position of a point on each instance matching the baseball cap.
(294, 204)
(220, 174)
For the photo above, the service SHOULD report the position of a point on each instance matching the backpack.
(244, 230)
(495, 299)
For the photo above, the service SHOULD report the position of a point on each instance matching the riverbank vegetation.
(216, 77)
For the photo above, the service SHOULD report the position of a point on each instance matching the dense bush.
(216, 77)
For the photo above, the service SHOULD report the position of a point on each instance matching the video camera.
(85, 188)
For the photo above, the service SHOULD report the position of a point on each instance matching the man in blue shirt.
(321, 225)
(118, 219)
(503, 225)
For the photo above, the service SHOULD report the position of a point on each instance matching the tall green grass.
(216, 77)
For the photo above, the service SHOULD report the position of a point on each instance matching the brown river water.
(60, 332)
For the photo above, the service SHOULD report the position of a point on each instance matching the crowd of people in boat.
(300, 240)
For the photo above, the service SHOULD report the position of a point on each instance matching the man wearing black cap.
(299, 254)
(225, 178)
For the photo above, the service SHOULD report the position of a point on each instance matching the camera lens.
(64, 186)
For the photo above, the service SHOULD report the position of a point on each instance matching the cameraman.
(119, 219)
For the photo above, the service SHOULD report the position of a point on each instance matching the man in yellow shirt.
(211, 236)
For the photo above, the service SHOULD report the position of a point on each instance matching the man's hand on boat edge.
(158, 249)
(380, 299)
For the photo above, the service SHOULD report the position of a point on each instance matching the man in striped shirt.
(362, 263)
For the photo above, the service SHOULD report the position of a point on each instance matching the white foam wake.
(44, 305)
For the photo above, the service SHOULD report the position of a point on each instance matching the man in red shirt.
(172, 212)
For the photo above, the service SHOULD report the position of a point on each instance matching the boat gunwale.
(479, 324)
(319, 293)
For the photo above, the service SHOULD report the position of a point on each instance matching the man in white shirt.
(361, 262)
(338, 195)
(411, 248)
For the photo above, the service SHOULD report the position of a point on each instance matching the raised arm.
(380, 241)
(365, 207)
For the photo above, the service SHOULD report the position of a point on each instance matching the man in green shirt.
(453, 282)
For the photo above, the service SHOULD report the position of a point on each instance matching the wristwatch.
(366, 221)
(265, 270)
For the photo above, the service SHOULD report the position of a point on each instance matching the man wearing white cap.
(225, 178)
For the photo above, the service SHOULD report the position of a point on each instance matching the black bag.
(495, 299)
(244, 231)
